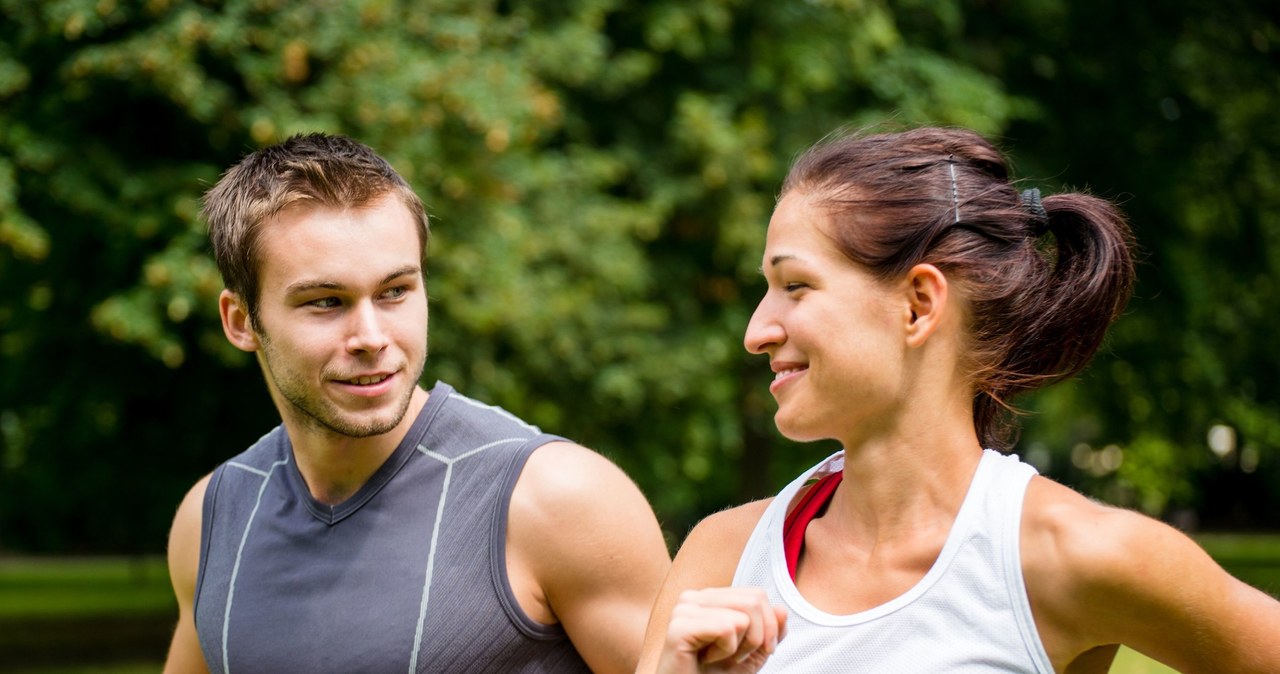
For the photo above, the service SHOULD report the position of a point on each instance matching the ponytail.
(1043, 278)
(1087, 244)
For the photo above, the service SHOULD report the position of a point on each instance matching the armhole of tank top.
(206, 532)
(1014, 581)
(759, 543)
(498, 544)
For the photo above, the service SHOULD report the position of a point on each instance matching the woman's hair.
(1042, 279)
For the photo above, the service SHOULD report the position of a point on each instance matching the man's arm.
(584, 549)
(184, 559)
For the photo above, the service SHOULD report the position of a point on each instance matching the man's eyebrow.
(307, 286)
(407, 270)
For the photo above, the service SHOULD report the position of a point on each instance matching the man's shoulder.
(458, 425)
(565, 482)
(588, 547)
(561, 473)
(270, 449)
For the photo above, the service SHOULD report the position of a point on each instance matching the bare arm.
(1098, 575)
(698, 618)
(184, 559)
(584, 549)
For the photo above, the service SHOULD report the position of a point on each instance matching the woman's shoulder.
(1076, 554)
(710, 553)
(738, 517)
(729, 529)
(1074, 545)
(1064, 531)
(1098, 574)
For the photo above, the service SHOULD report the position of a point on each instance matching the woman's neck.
(913, 474)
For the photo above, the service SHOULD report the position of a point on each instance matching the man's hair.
(313, 170)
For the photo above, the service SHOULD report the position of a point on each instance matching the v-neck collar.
(332, 514)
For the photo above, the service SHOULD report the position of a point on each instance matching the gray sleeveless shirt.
(408, 575)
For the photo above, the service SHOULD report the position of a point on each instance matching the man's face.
(342, 319)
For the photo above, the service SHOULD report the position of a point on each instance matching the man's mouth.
(366, 381)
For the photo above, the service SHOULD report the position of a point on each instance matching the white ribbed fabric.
(969, 613)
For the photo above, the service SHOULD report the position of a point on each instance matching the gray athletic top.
(407, 575)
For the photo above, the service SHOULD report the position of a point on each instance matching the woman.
(912, 291)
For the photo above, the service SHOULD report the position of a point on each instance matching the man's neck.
(336, 466)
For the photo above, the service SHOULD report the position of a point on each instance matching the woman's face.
(835, 336)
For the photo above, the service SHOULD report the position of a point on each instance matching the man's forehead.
(333, 246)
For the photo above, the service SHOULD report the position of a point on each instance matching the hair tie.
(1039, 217)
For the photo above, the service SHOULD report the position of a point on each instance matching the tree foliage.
(598, 174)
(1170, 114)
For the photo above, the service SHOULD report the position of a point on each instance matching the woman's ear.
(236, 323)
(926, 288)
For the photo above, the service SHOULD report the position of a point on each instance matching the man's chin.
(368, 426)
(377, 422)
(349, 425)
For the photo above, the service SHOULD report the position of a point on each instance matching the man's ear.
(236, 323)
(927, 294)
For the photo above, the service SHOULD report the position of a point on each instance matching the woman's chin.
(797, 430)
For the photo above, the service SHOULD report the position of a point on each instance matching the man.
(383, 527)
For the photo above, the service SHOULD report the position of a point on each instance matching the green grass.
(55, 587)
(122, 668)
(57, 614)
(1129, 661)
(117, 612)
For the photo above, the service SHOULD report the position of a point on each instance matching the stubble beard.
(309, 407)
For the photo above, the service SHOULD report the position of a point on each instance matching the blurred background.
(599, 175)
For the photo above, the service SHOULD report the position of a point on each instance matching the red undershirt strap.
(814, 500)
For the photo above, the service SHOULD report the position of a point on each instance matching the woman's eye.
(792, 287)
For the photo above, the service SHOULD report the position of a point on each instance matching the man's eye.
(324, 303)
(792, 287)
(393, 293)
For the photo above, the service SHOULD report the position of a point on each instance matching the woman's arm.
(698, 622)
(1098, 575)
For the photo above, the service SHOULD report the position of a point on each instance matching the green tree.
(1169, 112)
(599, 175)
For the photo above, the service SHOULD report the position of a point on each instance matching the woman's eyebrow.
(777, 260)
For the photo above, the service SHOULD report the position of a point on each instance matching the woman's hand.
(732, 630)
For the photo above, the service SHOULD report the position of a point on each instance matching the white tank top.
(969, 613)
